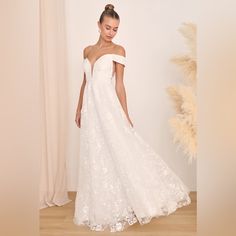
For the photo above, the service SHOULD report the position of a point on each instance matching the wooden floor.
(57, 221)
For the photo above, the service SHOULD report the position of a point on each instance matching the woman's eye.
(113, 30)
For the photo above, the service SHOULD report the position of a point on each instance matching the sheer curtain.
(54, 99)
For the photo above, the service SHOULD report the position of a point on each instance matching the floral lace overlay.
(121, 180)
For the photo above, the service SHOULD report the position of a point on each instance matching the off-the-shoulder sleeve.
(119, 58)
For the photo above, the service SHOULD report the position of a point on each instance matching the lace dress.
(121, 179)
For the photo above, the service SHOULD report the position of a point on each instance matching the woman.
(121, 179)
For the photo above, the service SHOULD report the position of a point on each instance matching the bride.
(121, 179)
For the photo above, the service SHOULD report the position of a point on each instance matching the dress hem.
(131, 219)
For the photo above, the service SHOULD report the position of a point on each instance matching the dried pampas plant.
(183, 124)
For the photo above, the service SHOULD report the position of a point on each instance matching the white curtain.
(54, 98)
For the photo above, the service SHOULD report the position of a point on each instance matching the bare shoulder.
(120, 50)
(87, 50)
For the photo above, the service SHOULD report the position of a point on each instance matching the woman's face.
(109, 28)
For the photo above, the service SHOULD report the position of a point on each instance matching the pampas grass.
(183, 124)
(188, 66)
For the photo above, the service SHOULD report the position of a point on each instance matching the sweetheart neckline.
(92, 65)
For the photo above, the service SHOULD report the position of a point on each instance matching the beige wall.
(148, 31)
(20, 139)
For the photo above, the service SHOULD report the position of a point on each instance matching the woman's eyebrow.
(110, 26)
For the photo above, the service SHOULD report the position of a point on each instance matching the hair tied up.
(109, 7)
(110, 12)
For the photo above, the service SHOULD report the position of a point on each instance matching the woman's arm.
(80, 102)
(119, 86)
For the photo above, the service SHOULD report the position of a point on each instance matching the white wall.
(148, 31)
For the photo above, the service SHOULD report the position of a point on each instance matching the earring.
(99, 31)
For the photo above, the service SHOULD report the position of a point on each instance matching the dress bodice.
(102, 68)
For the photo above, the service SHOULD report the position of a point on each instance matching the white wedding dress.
(121, 179)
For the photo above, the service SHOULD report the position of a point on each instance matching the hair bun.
(109, 7)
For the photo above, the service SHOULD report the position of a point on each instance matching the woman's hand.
(130, 122)
(78, 118)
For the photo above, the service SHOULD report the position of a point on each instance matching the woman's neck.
(103, 44)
